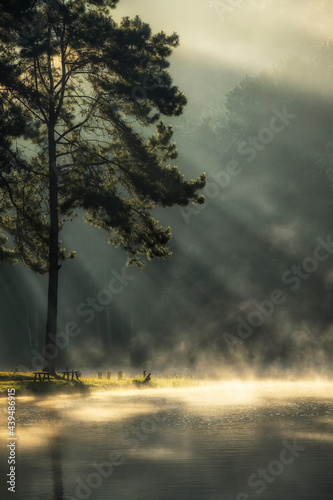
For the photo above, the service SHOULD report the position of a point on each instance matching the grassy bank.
(24, 384)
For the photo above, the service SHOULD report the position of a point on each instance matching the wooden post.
(120, 375)
(99, 374)
(108, 375)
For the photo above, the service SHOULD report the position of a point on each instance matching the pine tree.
(88, 95)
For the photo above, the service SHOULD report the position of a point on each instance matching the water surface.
(228, 441)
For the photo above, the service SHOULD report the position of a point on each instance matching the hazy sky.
(241, 40)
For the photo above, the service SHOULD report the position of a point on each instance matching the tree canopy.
(82, 100)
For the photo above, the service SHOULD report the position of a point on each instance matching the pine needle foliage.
(82, 100)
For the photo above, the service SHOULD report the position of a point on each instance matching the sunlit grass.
(23, 383)
(160, 382)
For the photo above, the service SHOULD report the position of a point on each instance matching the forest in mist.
(250, 283)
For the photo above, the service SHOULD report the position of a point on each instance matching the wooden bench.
(71, 372)
(41, 376)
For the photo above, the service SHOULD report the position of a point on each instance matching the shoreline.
(24, 384)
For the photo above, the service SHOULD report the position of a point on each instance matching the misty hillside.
(250, 281)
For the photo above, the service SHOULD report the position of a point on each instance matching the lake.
(227, 441)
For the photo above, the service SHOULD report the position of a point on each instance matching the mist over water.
(248, 289)
(236, 440)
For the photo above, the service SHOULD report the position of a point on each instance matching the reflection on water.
(56, 463)
(231, 441)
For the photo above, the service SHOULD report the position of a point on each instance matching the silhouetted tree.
(88, 88)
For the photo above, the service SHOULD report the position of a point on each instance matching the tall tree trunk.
(50, 349)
